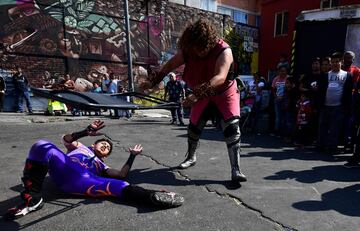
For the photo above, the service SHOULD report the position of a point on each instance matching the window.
(329, 3)
(239, 16)
(209, 5)
(281, 23)
(236, 15)
(223, 10)
(258, 21)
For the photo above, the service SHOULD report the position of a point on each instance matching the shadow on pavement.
(306, 155)
(343, 200)
(166, 176)
(209, 134)
(317, 174)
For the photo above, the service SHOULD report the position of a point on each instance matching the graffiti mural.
(87, 39)
(244, 42)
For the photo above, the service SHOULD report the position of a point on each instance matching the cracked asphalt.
(287, 189)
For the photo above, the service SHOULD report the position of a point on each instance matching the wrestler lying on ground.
(82, 171)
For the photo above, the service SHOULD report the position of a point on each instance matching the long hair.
(200, 34)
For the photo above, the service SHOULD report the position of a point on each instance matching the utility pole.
(128, 47)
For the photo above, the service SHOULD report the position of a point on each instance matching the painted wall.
(49, 38)
(272, 46)
(244, 41)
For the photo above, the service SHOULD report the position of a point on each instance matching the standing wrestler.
(207, 62)
(82, 171)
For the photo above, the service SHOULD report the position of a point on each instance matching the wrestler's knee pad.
(232, 132)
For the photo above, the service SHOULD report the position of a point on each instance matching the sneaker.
(181, 124)
(173, 122)
(351, 165)
(30, 205)
(167, 199)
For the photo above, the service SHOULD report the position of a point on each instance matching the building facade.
(240, 11)
(278, 24)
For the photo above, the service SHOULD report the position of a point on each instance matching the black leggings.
(137, 194)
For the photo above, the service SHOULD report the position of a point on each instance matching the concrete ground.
(287, 188)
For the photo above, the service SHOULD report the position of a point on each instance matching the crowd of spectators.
(321, 108)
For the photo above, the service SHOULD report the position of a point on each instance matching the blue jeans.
(21, 96)
(330, 125)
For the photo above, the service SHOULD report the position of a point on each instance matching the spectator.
(283, 62)
(289, 108)
(349, 66)
(69, 84)
(21, 85)
(112, 88)
(325, 65)
(105, 83)
(304, 120)
(112, 85)
(176, 92)
(124, 113)
(337, 104)
(278, 89)
(96, 87)
(256, 87)
(313, 84)
(349, 129)
(354, 161)
(2, 93)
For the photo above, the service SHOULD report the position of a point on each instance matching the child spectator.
(304, 120)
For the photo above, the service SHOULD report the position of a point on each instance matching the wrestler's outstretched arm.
(122, 174)
(176, 61)
(70, 140)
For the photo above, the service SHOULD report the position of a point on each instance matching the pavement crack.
(236, 199)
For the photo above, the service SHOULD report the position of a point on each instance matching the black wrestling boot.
(33, 178)
(190, 155)
(234, 156)
(160, 199)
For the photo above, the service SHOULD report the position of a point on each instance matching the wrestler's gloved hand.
(154, 78)
(94, 127)
(189, 100)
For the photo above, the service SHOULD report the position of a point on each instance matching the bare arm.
(176, 61)
(122, 174)
(222, 67)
